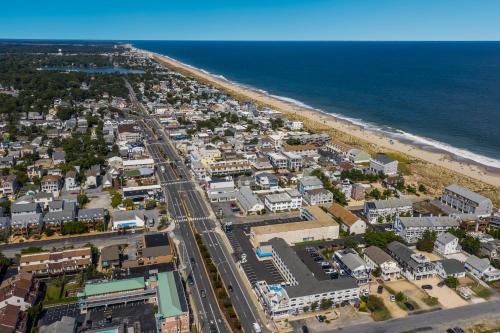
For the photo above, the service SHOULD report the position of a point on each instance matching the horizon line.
(256, 40)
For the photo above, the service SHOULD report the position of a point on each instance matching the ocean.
(440, 95)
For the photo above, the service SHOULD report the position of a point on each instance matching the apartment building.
(293, 161)
(375, 209)
(129, 133)
(466, 201)
(284, 201)
(302, 288)
(309, 183)
(56, 262)
(278, 161)
(414, 266)
(411, 229)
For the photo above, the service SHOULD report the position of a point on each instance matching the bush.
(400, 297)
(374, 303)
(451, 282)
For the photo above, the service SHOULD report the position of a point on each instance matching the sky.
(251, 19)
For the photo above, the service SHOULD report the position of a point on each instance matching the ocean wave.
(391, 132)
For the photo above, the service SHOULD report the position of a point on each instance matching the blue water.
(448, 92)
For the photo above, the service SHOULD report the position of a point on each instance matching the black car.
(427, 286)
(190, 280)
(230, 288)
(457, 329)
(203, 294)
(409, 306)
(305, 329)
(318, 259)
(193, 261)
(380, 289)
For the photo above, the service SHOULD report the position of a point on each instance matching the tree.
(400, 297)
(82, 200)
(422, 188)
(426, 243)
(305, 308)
(73, 228)
(380, 238)
(470, 244)
(314, 306)
(325, 304)
(351, 243)
(451, 282)
(116, 199)
(129, 203)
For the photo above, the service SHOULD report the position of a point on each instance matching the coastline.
(349, 132)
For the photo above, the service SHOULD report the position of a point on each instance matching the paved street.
(98, 239)
(184, 199)
(437, 321)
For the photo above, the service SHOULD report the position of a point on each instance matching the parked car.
(320, 318)
(409, 306)
(441, 284)
(203, 294)
(334, 275)
(329, 271)
(193, 261)
(190, 280)
(392, 298)
(305, 329)
(318, 259)
(380, 289)
(457, 329)
(427, 286)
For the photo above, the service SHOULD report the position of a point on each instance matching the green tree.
(129, 203)
(325, 304)
(400, 297)
(116, 199)
(451, 282)
(470, 244)
(314, 306)
(82, 200)
(426, 243)
(374, 303)
(73, 228)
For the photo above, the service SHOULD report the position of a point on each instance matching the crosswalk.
(185, 219)
(175, 182)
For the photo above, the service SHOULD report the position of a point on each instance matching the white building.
(392, 207)
(309, 183)
(294, 161)
(376, 257)
(383, 164)
(351, 264)
(285, 201)
(277, 160)
(482, 269)
(303, 289)
(248, 201)
(446, 244)
(411, 229)
(466, 201)
(294, 125)
(221, 189)
(450, 267)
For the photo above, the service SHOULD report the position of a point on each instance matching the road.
(437, 321)
(99, 239)
(185, 203)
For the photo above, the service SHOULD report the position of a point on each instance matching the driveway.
(411, 290)
(447, 297)
(394, 309)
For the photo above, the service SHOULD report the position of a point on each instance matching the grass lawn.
(53, 292)
(481, 291)
(382, 314)
(402, 305)
(430, 301)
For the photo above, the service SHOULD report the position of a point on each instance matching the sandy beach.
(354, 134)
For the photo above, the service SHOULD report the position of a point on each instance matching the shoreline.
(349, 131)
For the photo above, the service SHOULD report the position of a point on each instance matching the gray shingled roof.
(466, 193)
(429, 221)
(377, 255)
(389, 203)
(478, 263)
(445, 238)
(452, 266)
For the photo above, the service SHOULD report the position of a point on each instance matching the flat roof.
(93, 289)
(294, 226)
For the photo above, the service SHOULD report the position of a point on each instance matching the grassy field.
(380, 315)
(55, 293)
(430, 301)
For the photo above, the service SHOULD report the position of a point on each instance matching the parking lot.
(308, 260)
(447, 297)
(53, 314)
(255, 269)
